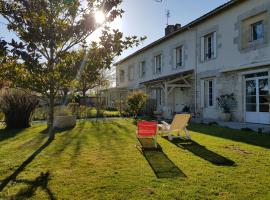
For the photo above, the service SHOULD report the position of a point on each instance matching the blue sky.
(147, 17)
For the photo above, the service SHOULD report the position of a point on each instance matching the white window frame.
(121, 75)
(142, 70)
(159, 97)
(205, 46)
(209, 101)
(179, 57)
(131, 73)
(156, 58)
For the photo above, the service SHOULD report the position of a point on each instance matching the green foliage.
(17, 107)
(83, 112)
(43, 57)
(136, 101)
(63, 111)
(227, 102)
(73, 107)
(2, 116)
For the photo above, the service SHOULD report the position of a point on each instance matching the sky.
(147, 18)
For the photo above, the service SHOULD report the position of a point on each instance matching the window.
(257, 32)
(179, 57)
(122, 76)
(130, 73)
(158, 64)
(142, 69)
(209, 93)
(208, 46)
(253, 31)
(159, 97)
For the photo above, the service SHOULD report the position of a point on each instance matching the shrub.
(136, 101)
(74, 108)
(17, 107)
(63, 111)
(227, 102)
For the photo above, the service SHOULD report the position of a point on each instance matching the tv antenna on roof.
(168, 15)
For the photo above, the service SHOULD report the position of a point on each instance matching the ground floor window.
(159, 96)
(257, 97)
(209, 93)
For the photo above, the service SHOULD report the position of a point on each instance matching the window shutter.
(161, 63)
(202, 93)
(174, 58)
(202, 49)
(215, 44)
(154, 66)
(183, 56)
(140, 69)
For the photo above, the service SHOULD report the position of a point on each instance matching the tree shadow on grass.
(161, 165)
(202, 152)
(40, 182)
(7, 134)
(248, 137)
(14, 175)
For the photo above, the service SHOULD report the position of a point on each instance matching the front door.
(178, 100)
(257, 104)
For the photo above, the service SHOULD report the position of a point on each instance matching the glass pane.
(264, 99)
(250, 75)
(263, 87)
(251, 107)
(251, 99)
(264, 107)
(257, 30)
(262, 74)
(250, 87)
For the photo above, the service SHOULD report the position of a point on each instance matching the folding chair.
(147, 130)
(179, 123)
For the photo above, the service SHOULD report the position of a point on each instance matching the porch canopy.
(170, 82)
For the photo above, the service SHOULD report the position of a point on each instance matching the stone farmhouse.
(225, 51)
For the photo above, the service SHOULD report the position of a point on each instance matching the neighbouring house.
(224, 51)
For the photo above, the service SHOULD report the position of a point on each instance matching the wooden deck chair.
(147, 130)
(179, 123)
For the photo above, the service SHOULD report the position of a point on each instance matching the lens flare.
(100, 17)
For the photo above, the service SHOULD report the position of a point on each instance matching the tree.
(48, 33)
(136, 101)
(94, 60)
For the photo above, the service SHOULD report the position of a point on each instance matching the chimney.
(172, 28)
(169, 29)
(177, 27)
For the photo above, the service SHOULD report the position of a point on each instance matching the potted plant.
(64, 119)
(226, 103)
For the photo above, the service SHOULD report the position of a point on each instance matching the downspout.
(196, 65)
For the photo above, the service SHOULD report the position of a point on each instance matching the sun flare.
(100, 17)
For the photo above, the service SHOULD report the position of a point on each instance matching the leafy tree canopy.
(44, 56)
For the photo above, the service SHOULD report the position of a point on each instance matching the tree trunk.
(84, 93)
(51, 117)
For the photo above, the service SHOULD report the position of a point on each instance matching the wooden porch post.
(166, 94)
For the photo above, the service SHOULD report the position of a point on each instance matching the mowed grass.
(99, 160)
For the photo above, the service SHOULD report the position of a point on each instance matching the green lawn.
(99, 160)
